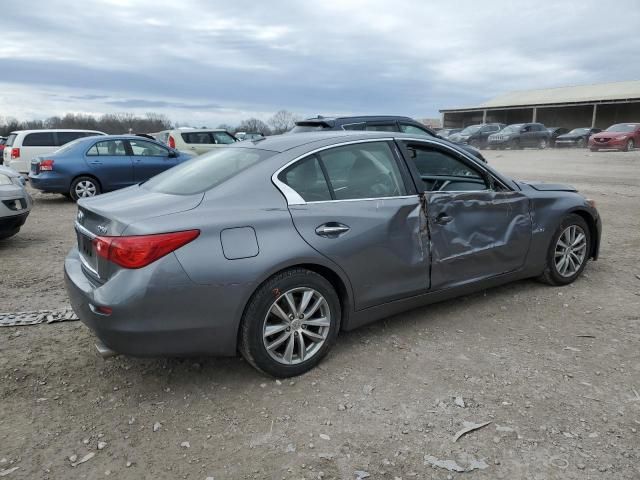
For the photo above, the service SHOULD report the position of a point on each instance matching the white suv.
(23, 145)
(196, 141)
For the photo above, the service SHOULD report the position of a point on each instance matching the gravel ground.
(555, 370)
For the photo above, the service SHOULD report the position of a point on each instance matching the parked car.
(91, 166)
(447, 132)
(3, 140)
(249, 136)
(198, 141)
(24, 145)
(476, 135)
(520, 135)
(376, 123)
(273, 248)
(578, 137)
(555, 132)
(621, 136)
(15, 202)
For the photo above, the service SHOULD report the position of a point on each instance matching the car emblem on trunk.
(80, 216)
(102, 229)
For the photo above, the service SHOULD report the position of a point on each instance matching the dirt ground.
(555, 370)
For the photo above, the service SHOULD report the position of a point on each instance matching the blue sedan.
(89, 166)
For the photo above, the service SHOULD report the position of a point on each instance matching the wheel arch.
(75, 177)
(593, 231)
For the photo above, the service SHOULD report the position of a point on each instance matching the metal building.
(599, 106)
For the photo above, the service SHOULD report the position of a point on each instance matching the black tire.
(551, 275)
(251, 343)
(593, 149)
(543, 143)
(87, 180)
(630, 145)
(580, 143)
(514, 144)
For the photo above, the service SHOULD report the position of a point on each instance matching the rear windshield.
(206, 171)
(10, 139)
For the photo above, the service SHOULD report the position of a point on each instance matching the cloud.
(201, 62)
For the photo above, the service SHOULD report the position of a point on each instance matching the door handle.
(443, 219)
(331, 229)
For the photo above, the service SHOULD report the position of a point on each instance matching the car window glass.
(222, 137)
(197, 137)
(307, 179)
(66, 137)
(387, 127)
(354, 126)
(405, 128)
(363, 170)
(40, 139)
(441, 171)
(108, 148)
(147, 149)
(10, 139)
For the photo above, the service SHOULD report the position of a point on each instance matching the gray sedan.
(272, 247)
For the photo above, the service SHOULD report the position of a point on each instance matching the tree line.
(121, 123)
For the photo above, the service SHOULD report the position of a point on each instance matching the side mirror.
(172, 154)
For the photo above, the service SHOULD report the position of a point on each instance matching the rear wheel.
(568, 252)
(84, 187)
(290, 323)
(580, 143)
(543, 143)
(629, 145)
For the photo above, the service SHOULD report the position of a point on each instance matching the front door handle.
(331, 229)
(443, 219)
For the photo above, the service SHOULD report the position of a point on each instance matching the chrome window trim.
(84, 231)
(293, 197)
(83, 260)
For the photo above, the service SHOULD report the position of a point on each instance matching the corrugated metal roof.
(576, 94)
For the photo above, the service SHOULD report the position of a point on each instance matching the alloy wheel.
(543, 144)
(570, 251)
(85, 188)
(296, 326)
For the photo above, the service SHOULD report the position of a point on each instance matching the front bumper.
(566, 143)
(11, 225)
(15, 205)
(612, 143)
(156, 310)
(493, 142)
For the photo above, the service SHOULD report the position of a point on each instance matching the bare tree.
(254, 125)
(282, 122)
(227, 127)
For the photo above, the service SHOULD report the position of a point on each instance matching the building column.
(593, 117)
(484, 116)
(535, 114)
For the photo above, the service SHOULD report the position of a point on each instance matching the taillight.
(172, 142)
(140, 250)
(15, 153)
(46, 165)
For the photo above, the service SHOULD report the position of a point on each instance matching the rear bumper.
(48, 182)
(156, 311)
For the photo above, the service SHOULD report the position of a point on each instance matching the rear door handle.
(331, 229)
(443, 219)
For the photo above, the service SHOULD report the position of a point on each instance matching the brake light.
(141, 250)
(46, 165)
(172, 142)
(15, 153)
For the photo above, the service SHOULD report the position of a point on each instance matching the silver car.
(273, 247)
(15, 202)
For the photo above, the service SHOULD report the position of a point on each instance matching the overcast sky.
(205, 63)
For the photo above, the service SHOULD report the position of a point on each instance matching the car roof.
(187, 130)
(356, 117)
(45, 130)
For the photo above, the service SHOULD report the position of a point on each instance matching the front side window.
(412, 129)
(381, 127)
(442, 171)
(222, 138)
(350, 172)
(141, 148)
(40, 139)
(108, 148)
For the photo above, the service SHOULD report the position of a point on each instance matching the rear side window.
(197, 137)
(354, 126)
(309, 128)
(387, 127)
(306, 178)
(108, 148)
(10, 139)
(206, 171)
(406, 128)
(147, 149)
(40, 139)
(222, 138)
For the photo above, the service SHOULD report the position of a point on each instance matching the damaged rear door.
(359, 207)
(479, 227)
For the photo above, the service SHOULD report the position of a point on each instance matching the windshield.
(308, 128)
(579, 131)
(471, 130)
(622, 127)
(512, 128)
(206, 171)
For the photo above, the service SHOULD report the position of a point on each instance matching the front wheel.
(568, 252)
(84, 187)
(290, 323)
(543, 143)
(580, 143)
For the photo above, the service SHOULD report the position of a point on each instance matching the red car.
(621, 136)
(3, 140)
